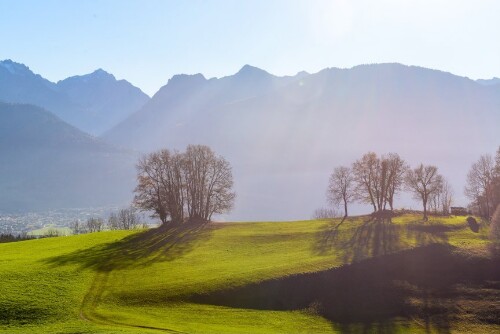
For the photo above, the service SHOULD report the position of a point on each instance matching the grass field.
(361, 276)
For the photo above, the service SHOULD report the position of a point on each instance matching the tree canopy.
(189, 186)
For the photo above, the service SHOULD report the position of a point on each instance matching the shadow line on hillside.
(422, 285)
(14, 313)
(165, 243)
(376, 237)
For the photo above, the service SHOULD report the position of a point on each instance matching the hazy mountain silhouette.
(284, 135)
(489, 82)
(94, 102)
(46, 163)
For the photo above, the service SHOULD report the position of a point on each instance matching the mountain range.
(282, 135)
(93, 103)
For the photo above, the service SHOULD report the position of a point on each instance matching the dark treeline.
(9, 237)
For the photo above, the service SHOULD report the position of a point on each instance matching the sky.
(146, 42)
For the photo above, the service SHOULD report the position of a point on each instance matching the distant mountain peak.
(98, 74)
(101, 73)
(302, 74)
(186, 79)
(92, 102)
(15, 68)
(182, 82)
(249, 70)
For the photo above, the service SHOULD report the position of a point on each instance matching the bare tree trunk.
(345, 207)
(425, 209)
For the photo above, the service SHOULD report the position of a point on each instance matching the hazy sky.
(146, 42)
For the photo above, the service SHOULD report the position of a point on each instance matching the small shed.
(458, 211)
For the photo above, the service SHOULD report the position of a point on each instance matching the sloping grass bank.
(266, 277)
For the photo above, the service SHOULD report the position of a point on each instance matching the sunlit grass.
(51, 230)
(116, 281)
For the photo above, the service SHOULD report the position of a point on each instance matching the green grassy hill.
(362, 276)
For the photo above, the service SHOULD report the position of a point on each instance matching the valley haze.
(75, 143)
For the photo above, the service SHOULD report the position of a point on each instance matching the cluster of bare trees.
(189, 186)
(377, 180)
(124, 219)
(483, 185)
(442, 199)
(92, 224)
(325, 213)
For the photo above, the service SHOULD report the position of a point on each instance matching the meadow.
(362, 275)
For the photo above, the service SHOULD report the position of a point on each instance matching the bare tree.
(341, 188)
(149, 193)
(435, 202)
(496, 180)
(128, 219)
(113, 222)
(495, 225)
(441, 200)
(197, 183)
(173, 183)
(378, 180)
(160, 186)
(397, 168)
(446, 197)
(209, 183)
(479, 187)
(94, 224)
(77, 227)
(423, 182)
(365, 175)
(325, 213)
(125, 219)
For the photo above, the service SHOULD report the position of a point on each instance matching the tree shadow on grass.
(164, 243)
(473, 225)
(14, 313)
(374, 237)
(377, 237)
(425, 233)
(370, 296)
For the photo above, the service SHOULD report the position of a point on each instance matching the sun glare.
(331, 20)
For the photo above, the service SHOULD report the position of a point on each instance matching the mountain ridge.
(92, 102)
(283, 135)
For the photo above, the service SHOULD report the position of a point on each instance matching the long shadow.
(424, 233)
(15, 313)
(473, 225)
(422, 284)
(164, 243)
(378, 237)
(375, 237)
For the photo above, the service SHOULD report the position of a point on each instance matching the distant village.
(26, 222)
